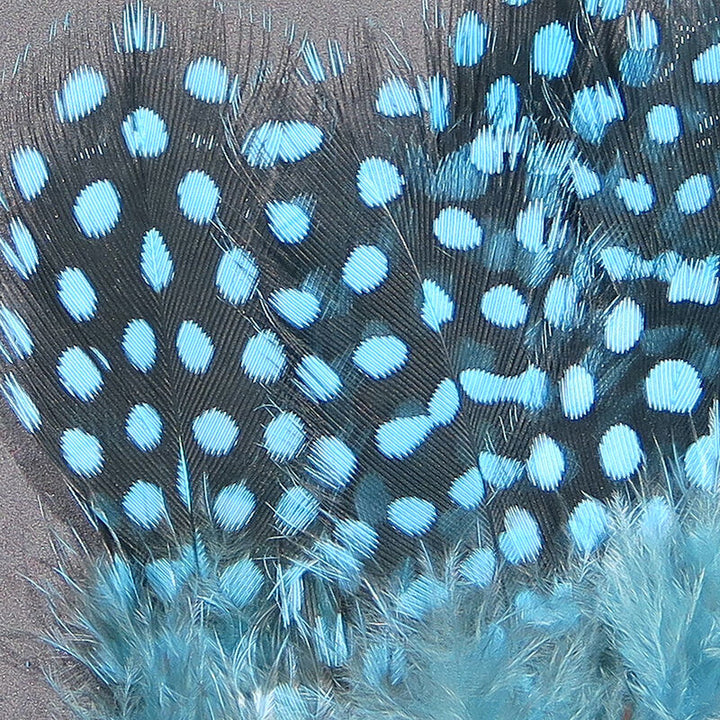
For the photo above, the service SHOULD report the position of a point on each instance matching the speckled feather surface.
(327, 343)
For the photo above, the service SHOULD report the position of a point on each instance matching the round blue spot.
(504, 306)
(79, 374)
(30, 172)
(20, 402)
(263, 358)
(299, 308)
(479, 567)
(296, 510)
(365, 269)
(588, 525)
(317, 379)
(444, 404)
(215, 432)
(194, 347)
(521, 541)
(623, 326)
(457, 229)
(577, 392)
(706, 66)
(82, 452)
(331, 463)
(395, 98)
(289, 222)
(144, 504)
(379, 182)
(286, 141)
(198, 197)
(144, 427)
(241, 582)
(284, 436)
(470, 40)
(139, 345)
(468, 490)
(357, 536)
(233, 507)
(546, 465)
(402, 436)
(207, 79)
(552, 51)
(620, 452)
(380, 356)
(97, 209)
(411, 515)
(76, 294)
(694, 194)
(663, 124)
(145, 133)
(236, 276)
(82, 92)
(673, 386)
(16, 334)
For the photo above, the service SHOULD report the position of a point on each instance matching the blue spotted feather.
(384, 384)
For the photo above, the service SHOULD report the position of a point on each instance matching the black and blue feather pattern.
(329, 323)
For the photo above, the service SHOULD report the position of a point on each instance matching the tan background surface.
(32, 495)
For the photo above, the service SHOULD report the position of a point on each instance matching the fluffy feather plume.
(369, 375)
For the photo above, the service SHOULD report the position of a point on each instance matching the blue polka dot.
(380, 356)
(144, 504)
(207, 79)
(586, 182)
(284, 436)
(444, 403)
(620, 452)
(139, 345)
(233, 507)
(82, 452)
(530, 388)
(402, 436)
(30, 172)
(19, 344)
(357, 536)
(79, 374)
(236, 276)
(22, 405)
(144, 427)
(263, 358)
(561, 304)
(299, 308)
(694, 194)
(97, 209)
(468, 490)
(457, 229)
(296, 510)
(577, 392)
(470, 40)
(276, 141)
(479, 567)
(241, 582)
(438, 308)
(76, 294)
(194, 347)
(588, 526)
(637, 195)
(624, 326)
(365, 269)
(156, 263)
(215, 432)
(395, 98)
(411, 515)
(673, 386)
(663, 124)
(695, 281)
(546, 465)
(421, 596)
(706, 66)
(332, 463)
(552, 51)
(318, 380)
(198, 197)
(379, 182)
(504, 306)
(521, 541)
(22, 256)
(594, 109)
(290, 222)
(498, 471)
(145, 133)
(82, 92)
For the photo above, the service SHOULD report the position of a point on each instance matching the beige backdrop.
(32, 496)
